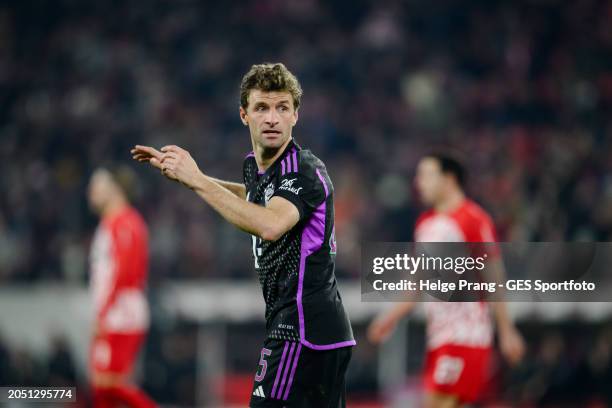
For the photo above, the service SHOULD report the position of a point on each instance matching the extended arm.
(238, 189)
(154, 157)
(268, 223)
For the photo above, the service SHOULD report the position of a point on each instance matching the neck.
(114, 206)
(451, 202)
(266, 156)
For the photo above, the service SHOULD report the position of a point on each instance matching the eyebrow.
(269, 103)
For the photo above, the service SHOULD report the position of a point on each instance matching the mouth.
(271, 134)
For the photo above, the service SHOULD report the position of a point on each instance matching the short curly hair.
(269, 77)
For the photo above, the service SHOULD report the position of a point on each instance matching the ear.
(295, 117)
(243, 116)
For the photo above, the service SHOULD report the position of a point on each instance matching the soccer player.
(286, 203)
(119, 264)
(460, 334)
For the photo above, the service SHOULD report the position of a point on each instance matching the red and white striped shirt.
(458, 323)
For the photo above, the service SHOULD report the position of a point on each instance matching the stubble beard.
(269, 151)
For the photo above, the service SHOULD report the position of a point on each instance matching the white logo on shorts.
(448, 370)
(259, 392)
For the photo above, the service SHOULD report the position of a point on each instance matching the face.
(430, 181)
(270, 117)
(100, 190)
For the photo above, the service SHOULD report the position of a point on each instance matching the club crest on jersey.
(287, 184)
(269, 192)
(333, 249)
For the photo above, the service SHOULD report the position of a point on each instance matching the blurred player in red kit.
(119, 265)
(459, 334)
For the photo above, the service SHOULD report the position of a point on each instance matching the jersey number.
(448, 370)
(263, 364)
(256, 243)
(256, 249)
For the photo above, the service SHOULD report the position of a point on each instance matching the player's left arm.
(268, 223)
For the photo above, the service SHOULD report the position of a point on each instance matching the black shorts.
(294, 376)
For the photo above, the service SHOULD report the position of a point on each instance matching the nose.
(272, 118)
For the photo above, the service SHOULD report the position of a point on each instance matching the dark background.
(523, 89)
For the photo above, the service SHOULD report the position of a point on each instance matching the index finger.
(148, 149)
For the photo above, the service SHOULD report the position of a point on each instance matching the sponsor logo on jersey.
(287, 184)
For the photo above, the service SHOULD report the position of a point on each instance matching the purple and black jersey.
(296, 272)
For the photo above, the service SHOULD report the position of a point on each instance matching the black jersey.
(296, 272)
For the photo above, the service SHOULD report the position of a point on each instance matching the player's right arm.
(153, 156)
(384, 324)
(237, 188)
(269, 222)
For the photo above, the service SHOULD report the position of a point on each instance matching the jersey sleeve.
(416, 232)
(301, 184)
(483, 232)
(486, 232)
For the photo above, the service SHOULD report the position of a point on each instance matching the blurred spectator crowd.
(167, 368)
(568, 365)
(523, 89)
